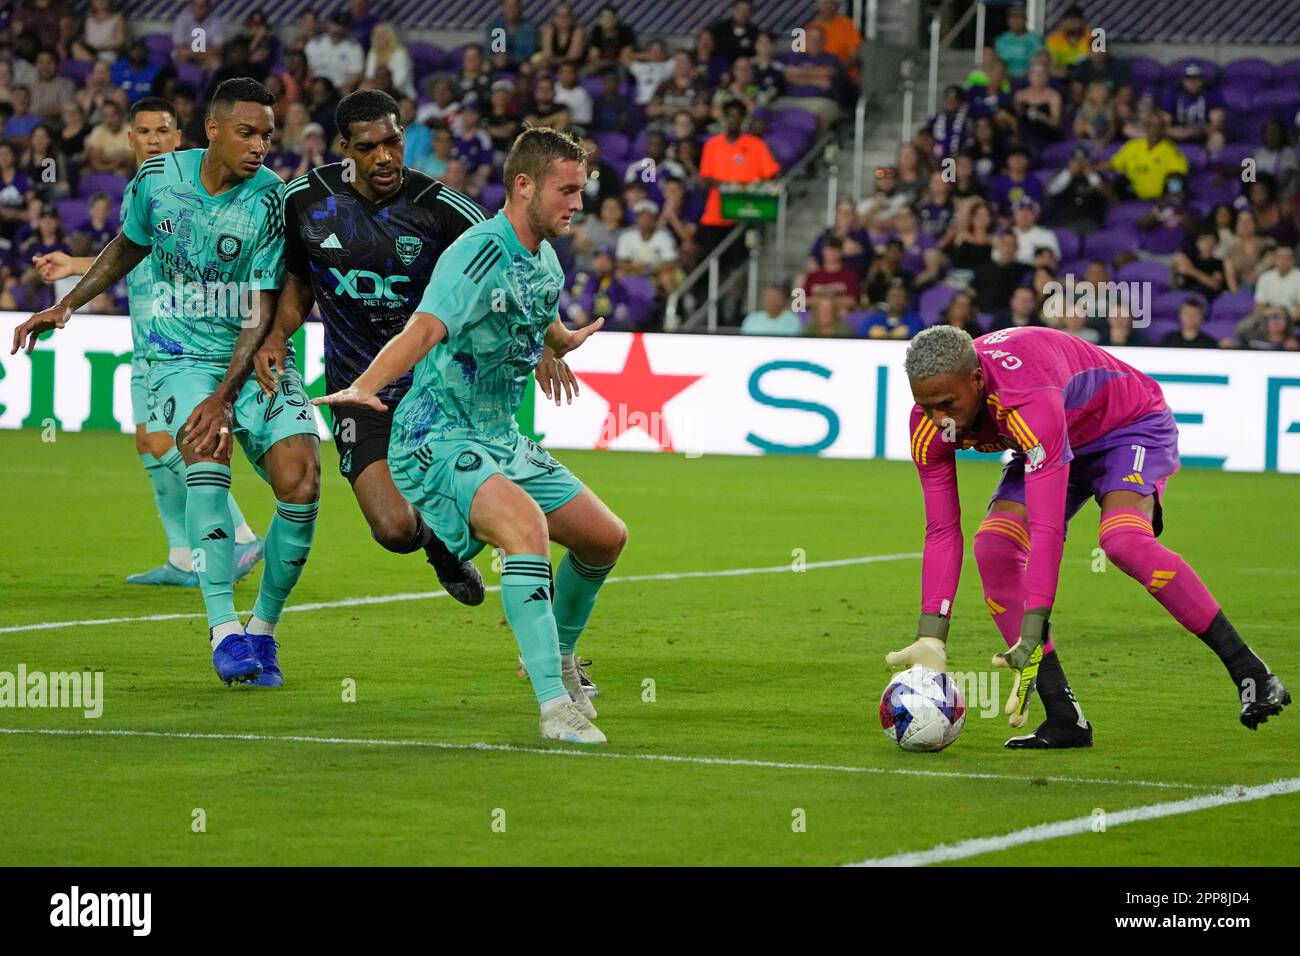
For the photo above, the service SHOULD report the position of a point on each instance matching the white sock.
(244, 534)
(222, 631)
(183, 558)
(257, 626)
(549, 706)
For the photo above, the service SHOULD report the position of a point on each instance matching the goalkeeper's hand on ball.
(930, 649)
(1023, 660)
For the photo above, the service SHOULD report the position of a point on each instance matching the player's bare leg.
(292, 467)
(594, 537)
(1001, 551)
(1127, 535)
(398, 527)
(506, 517)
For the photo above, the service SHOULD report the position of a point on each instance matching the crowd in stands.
(1054, 160)
(664, 127)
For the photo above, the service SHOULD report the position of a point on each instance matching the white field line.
(944, 852)
(592, 753)
(425, 595)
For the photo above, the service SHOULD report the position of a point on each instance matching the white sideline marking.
(944, 852)
(661, 758)
(424, 595)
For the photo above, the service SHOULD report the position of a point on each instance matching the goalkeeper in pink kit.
(1082, 424)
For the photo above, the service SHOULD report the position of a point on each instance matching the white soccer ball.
(922, 710)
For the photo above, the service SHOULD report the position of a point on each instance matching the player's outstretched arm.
(118, 258)
(296, 300)
(562, 341)
(54, 266)
(394, 360)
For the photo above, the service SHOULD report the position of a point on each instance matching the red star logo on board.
(636, 396)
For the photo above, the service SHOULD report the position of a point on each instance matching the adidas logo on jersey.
(165, 227)
(332, 242)
(1134, 479)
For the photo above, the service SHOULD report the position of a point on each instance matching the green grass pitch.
(782, 667)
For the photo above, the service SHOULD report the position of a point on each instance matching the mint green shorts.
(177, 386)
(139, 390)
(442, 476)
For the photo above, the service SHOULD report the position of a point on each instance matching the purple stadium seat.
(1126, 213)
(1231, 307)
(1161, 325)
(492, 197)
(1278, 102)
(72, 212)
(1173, 74)
(1144, 72)
(613, 147)
(1068, 240)
(1106, 244)
(1228, 159)
(1237, 97)
(1166, 304)
(1219, 329)
(1163, 240)
(1195, 153)
(786, 145)
(794, 119)
(1247, 126)
(857, 321)
(1044, 176)
(193, 74)
(1201, 208)
(455, 58)
(933, 301)
(160, 47)
(1249, 72)
(78, 71)
(1106, 152)
(1074, 267)
(426, 59)
(1288, 72)
(1153, 272)
(594, 85)
(110, 183)
(1215, 187)
(1058, 154)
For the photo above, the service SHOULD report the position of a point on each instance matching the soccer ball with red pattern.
(922, 710)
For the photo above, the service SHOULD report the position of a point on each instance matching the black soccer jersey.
(368, 263)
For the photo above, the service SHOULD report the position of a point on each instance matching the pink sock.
(1130, 544)
(1001, 551)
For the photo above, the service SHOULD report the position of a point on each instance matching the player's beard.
(537, 222)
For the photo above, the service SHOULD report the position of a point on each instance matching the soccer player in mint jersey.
(153, 132)
(361, 239)
(1081, 424)
(456, 452)
(213, 220)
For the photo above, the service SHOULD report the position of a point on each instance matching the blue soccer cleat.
(235, 661)
(165, 574)
(264, 650)
(246, 557)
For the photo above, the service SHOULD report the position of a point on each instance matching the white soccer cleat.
(566, 722)
(571, 674)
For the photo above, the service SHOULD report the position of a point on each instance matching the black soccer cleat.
(461, 579)
(1049, 736)
(1266, 705)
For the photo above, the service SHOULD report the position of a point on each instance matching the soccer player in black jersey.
(361, 240)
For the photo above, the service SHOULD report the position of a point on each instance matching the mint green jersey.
(496, 299)
(140, 298)
(211, 254)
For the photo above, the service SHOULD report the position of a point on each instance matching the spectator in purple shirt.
(935, 213)
(1196, 115)
(99, 228)
(1016, 183)
(812, 81)
(950, 127)
(472, 145)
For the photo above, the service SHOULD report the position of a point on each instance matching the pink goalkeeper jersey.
(1049, 396)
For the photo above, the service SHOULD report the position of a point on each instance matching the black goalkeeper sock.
(420, 540)
(1058, 699)
(1242, 663)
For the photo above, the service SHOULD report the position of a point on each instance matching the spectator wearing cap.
(1196, 115)
(198, 36)
(1017, 45)
(1030, 236)
(1078, 195)
(1071, 43)
(1146, 163)
(813, 79)
(1189, 335)
(897, 320)
(512, 38)
(646, 249)
(1016, 183)
(774, 316)
(336, 55)
(951, 125)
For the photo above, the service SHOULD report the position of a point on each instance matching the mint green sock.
(576, 587)
(167, 478)
(526, 594)
(212, 537)
(288, 542)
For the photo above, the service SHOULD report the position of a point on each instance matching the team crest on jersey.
(169, 410)
(552, 297)
(468, 461)
(409, 247)
(228, 247)
(1034, 458)
(165, 227)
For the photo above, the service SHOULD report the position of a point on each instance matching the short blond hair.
(535, 149)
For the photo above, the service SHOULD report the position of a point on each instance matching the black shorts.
(361, 436)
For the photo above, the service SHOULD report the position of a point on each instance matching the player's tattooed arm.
(394, 360)
(296, 300)
(118, 258)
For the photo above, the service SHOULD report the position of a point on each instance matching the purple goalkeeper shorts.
(1138, 457)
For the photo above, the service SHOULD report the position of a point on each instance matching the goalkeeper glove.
(930, 649)
(1023, 659)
